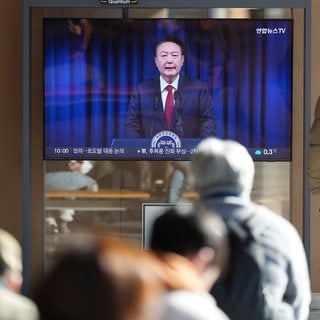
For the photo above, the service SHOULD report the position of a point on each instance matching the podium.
(146, 143)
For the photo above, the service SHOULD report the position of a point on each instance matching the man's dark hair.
(170, 38)
(186, 232)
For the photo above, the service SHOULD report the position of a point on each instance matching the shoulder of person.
(16, 306)
(151, 82)
(275, 231)
(187, 80)
(189, 305)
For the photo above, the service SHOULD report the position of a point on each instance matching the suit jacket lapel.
(160, 114)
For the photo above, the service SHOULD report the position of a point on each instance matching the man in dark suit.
(192, 115)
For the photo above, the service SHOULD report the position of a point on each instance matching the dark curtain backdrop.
(247, 65)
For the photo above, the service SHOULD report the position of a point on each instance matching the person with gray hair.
(13, 305)
(223, 173)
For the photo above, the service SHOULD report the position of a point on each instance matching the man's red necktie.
(168, 110)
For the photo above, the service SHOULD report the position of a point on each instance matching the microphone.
(155, 111)
(177, 99)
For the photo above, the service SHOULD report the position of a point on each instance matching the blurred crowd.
(224, 257)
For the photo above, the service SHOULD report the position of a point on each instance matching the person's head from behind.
(222, 167)
(198, 234)
(169, 57)
(100, 278)
(10, 261)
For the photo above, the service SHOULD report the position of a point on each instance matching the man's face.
(169, 60)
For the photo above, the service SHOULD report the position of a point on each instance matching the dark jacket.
(193, 113)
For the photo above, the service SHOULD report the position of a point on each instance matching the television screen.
(104, 97)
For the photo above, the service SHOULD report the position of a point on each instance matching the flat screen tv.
(93, 67)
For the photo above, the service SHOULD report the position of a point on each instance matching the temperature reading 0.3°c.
(269, 152)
